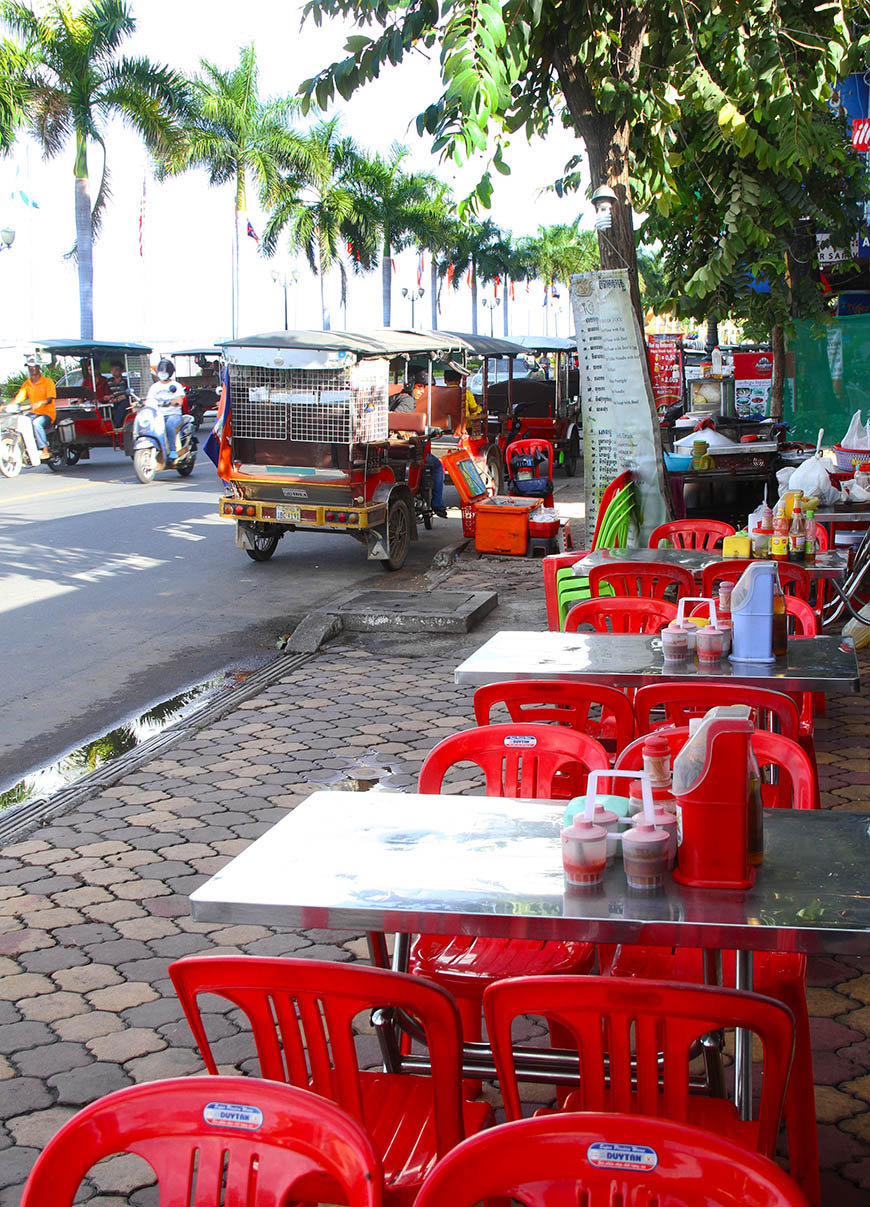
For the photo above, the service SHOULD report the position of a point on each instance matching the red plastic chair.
(541, 485)
(635, 1040)
(560, 1161)
(691, 534)
(517, 760)
(805, 623)
(466, 964)
(621, 615)
(796, 786)
(643, 580)
(681, 701)
(793, 579)
(301, 1014)
(559, 702)
(550, 565)
(279, 1140)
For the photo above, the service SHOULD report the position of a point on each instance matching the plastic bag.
(856, 436)
(853, 492)
(812, 478)
(860, 633)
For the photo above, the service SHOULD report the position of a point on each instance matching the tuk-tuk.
(483, 438)
(84, 409)
(308, 441)
(199, 371)
(546, 400)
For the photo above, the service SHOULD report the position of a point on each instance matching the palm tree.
(470, 243)
(394, 204)
(77, 82)
(557, 252)
(15, 61)
(238, 137)
(435, 222)
(324, 207)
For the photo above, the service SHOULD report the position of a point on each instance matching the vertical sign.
(620, 426)
(753, 377)
(666, 369)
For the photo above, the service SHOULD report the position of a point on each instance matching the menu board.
(620, 426)
(753, 378)
(666, 368)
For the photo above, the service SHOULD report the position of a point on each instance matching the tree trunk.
(507, 292)
(433, 285)
(473, 296)
(324, 311)
(84, 242)
(387, 280)
(777, 345)
(241, 208)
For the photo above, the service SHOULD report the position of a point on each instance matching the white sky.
(179, 293)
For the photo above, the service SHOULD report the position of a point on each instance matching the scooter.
(18, 445)
(150, 453)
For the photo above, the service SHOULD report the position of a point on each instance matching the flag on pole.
(468, 278)
(495, 284)
(420, 270)
(219, 445)
(142, 218)
(252, 234)
(512, 291)
(392, 264)
(451, 269)
(18, 193)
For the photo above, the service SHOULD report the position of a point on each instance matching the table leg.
(714, 1041)
(743, 1043)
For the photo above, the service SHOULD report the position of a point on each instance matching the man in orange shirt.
(40, 392)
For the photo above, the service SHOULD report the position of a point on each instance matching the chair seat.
(398, 1114)
(466, 964)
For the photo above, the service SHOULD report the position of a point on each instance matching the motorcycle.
(149, 449)
(18, 445)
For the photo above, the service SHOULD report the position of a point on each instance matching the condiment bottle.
(779, 634)
(779, 540)
(657, 761)
(756, 810)
(766, 515)
(584, 854)
(645, 851)
(796, 534)
(724, 608)
(810, 537)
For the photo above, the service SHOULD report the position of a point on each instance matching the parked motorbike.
(18, 445)
(149, 447)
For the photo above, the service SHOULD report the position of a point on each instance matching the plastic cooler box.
(502, 525)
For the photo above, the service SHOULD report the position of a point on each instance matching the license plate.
(283, 512)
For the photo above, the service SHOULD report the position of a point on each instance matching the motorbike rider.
(40, 392)
(166, 397)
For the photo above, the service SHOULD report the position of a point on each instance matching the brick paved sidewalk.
(95, 905)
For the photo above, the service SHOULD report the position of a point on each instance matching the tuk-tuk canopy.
(384, 341)
(547, 343)
(484, 345)
(89, 347)
(211, 353)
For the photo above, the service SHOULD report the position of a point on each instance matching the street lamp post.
(285, 279)
(491, 304)
(413, 295)
(7, 238)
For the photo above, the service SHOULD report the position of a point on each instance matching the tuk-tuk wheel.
(198, 415)
(572, 456)
(495, 471)
(56, 461)
(263, 547)
(398, 534)
(72, 456)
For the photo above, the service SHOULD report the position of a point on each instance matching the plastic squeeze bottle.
(779, 540)
(797, 535)
(780, 620)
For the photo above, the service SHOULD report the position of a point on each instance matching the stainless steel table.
(492, 866)
(817, 664)
(829, 564)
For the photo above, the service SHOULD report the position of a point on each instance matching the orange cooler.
(502, 525)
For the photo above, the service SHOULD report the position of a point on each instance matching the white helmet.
(33, 361)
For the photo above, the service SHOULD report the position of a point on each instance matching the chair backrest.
(635, 1040)
(795, 786)
(684, 700)
(551, 565)
(822, 540)
(194, 1132)
(691, 534)
(793, 579)
(642, 580)
(803, 621)
(301, 1014)
(621, 615)
(517, 760)
(564, 1159)
(542, 701)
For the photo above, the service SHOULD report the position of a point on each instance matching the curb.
(16, 823)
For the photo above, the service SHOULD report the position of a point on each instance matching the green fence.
(828, 376)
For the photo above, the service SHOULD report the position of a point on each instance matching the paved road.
(115, 595)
